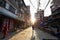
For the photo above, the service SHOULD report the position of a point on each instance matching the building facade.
(39, 17)
(27, 16)
(12, 13)
(54, 18)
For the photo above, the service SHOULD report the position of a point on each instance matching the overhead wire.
(39, 4)
(32, 4)
(47, 4)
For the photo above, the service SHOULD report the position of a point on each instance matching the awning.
(8, 13)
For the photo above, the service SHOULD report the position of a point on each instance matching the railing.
(3, 4)
(10, 9)
(13, 3)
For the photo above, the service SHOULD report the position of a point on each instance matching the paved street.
(29, 19)
(40, 35)
(23, 35)
(27, 35)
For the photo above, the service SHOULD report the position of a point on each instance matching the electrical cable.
(32, 4)
(47, 5)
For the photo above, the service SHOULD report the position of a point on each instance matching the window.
(12, 9)
(7, 6)
(14, 0)
(20, 15)
(22, 10)
(2, 3)
(16, 12)
(21, 2)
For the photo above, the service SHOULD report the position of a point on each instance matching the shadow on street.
(11, 34)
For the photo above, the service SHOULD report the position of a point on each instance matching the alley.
(27, 35)
(40, 35)
(29, 19)
(23, 35)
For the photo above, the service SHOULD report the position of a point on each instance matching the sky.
(43, 3)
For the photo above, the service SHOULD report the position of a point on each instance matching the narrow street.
(23, 35)
(40, 35)
(29, 19)
(27, 35)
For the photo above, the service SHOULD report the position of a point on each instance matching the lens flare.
(33, 20)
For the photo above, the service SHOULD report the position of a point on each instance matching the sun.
(33, 20)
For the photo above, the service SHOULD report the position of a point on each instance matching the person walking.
(33, 36)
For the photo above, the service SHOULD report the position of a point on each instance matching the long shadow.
(11, 34)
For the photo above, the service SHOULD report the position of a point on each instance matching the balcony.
(56, 13)
(55, 9)
(8, 13)
(9, 10)
(7, 6)
(56, 16)
(11, 15)
(21, 17)
(13, 3)
(2, 3)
